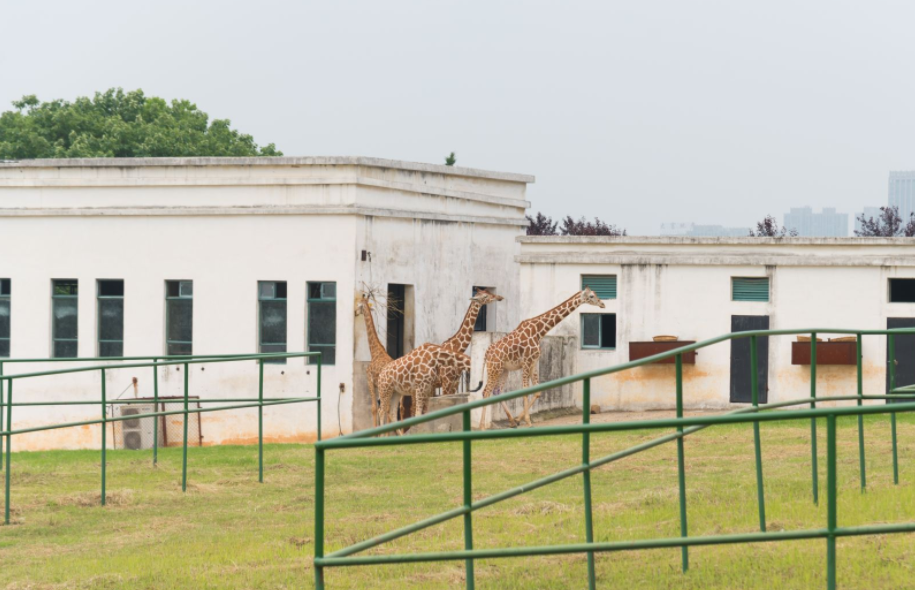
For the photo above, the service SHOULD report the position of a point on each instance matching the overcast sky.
(639, 112)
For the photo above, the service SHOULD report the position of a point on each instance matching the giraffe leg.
(384, 392)
(511, 419)
(373, 401)
(494, 374)
(534, 380)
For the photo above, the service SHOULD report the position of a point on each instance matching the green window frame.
(272, 318)
(604, 286)
(110, 313)
(598, 331)
(64, 318)
(750, 289)
(179, 317)
(5, 317)
(322, 321)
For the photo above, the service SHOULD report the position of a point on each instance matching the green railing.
(154, 362)
(683, 427)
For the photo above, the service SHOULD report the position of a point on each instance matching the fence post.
(320, 362)
(9, 446)
(319, 517)
(156, 419)
(468, 500)
(104, 434)
(831, 516)
(861, 461)
(586, 474)
(681, 468)
(813, 421)
(184, 450)
(260, 422)
(1, 415)
(892, 371)
(757, 443)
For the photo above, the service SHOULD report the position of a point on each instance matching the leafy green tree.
(450, 160)
(118, 124)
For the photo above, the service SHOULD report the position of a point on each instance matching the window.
(902, 290)
(749, 289)
(598, 330)
(271, 301)
(111, 318)
(64, 325)
(5, 286)
(179, 317)
(604, 286)
(484, 319)
(322, 322)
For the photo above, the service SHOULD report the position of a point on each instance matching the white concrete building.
(699, 288)
(150, 256)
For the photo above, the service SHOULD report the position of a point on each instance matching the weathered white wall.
(682, 286)
(226, 224)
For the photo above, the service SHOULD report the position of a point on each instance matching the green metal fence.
(7, 404)
(683, 427)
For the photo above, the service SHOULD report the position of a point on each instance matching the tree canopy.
(541, 225)
(118, 124)
(768, 228)
(887, 225)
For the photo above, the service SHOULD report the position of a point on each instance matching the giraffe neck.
(376, 348)
(548, 320)
(461, 339)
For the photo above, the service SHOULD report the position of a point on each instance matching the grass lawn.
(230, 532)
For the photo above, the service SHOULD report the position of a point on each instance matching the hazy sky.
(640, 112)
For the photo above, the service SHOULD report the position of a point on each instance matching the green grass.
(229, 532)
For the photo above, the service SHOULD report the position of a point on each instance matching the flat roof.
(270, 161)
(723, 241)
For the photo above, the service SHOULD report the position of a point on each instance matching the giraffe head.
(484, 297)
(589, 297)
(363, 303)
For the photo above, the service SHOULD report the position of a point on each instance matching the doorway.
(905, 351)
(741, 382)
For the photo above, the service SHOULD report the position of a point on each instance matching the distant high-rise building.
(827, 223)
(868, 213)
(902, 192)
(693, 230)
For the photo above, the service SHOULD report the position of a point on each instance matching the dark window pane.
(4, 318)
(902, 290)
(328, 355)
(65, 318)
(322, 322)
(179, 325)
(281, 290)
(608, 330)
(111, 288)
(4, 348)
(65, 349)
(274, 348)
(179, 348)
(111, 319)
(171, 288)
(590, 327)
(5, 286)
(66, 287)
(314, 290)
(273, 322)
(111, 349)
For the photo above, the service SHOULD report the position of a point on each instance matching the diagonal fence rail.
(753, 413)
(7, 382)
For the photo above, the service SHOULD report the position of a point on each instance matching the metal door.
(741, 384)
(905, 354)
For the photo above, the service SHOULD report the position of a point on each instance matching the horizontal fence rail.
(7, 382)
(754, 413)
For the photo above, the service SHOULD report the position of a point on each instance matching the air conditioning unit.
(136, 433)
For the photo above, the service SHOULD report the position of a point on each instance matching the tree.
(887, 225)
(768, 228)
(582, 227)
(541, 225)
(450, 160)
(118, 124)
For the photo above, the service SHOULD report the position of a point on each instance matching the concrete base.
(448, 424)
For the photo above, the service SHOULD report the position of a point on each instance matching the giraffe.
(461, 339)
(415, 374)
(380, 356)
(520, 349)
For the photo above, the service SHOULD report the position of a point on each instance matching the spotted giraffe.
(520, 349)
(415, 375)
(380, 356)
(448, 380)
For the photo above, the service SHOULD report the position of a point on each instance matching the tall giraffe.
(380, 356)
(520, 349)
(414, 375)
(447, 380)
